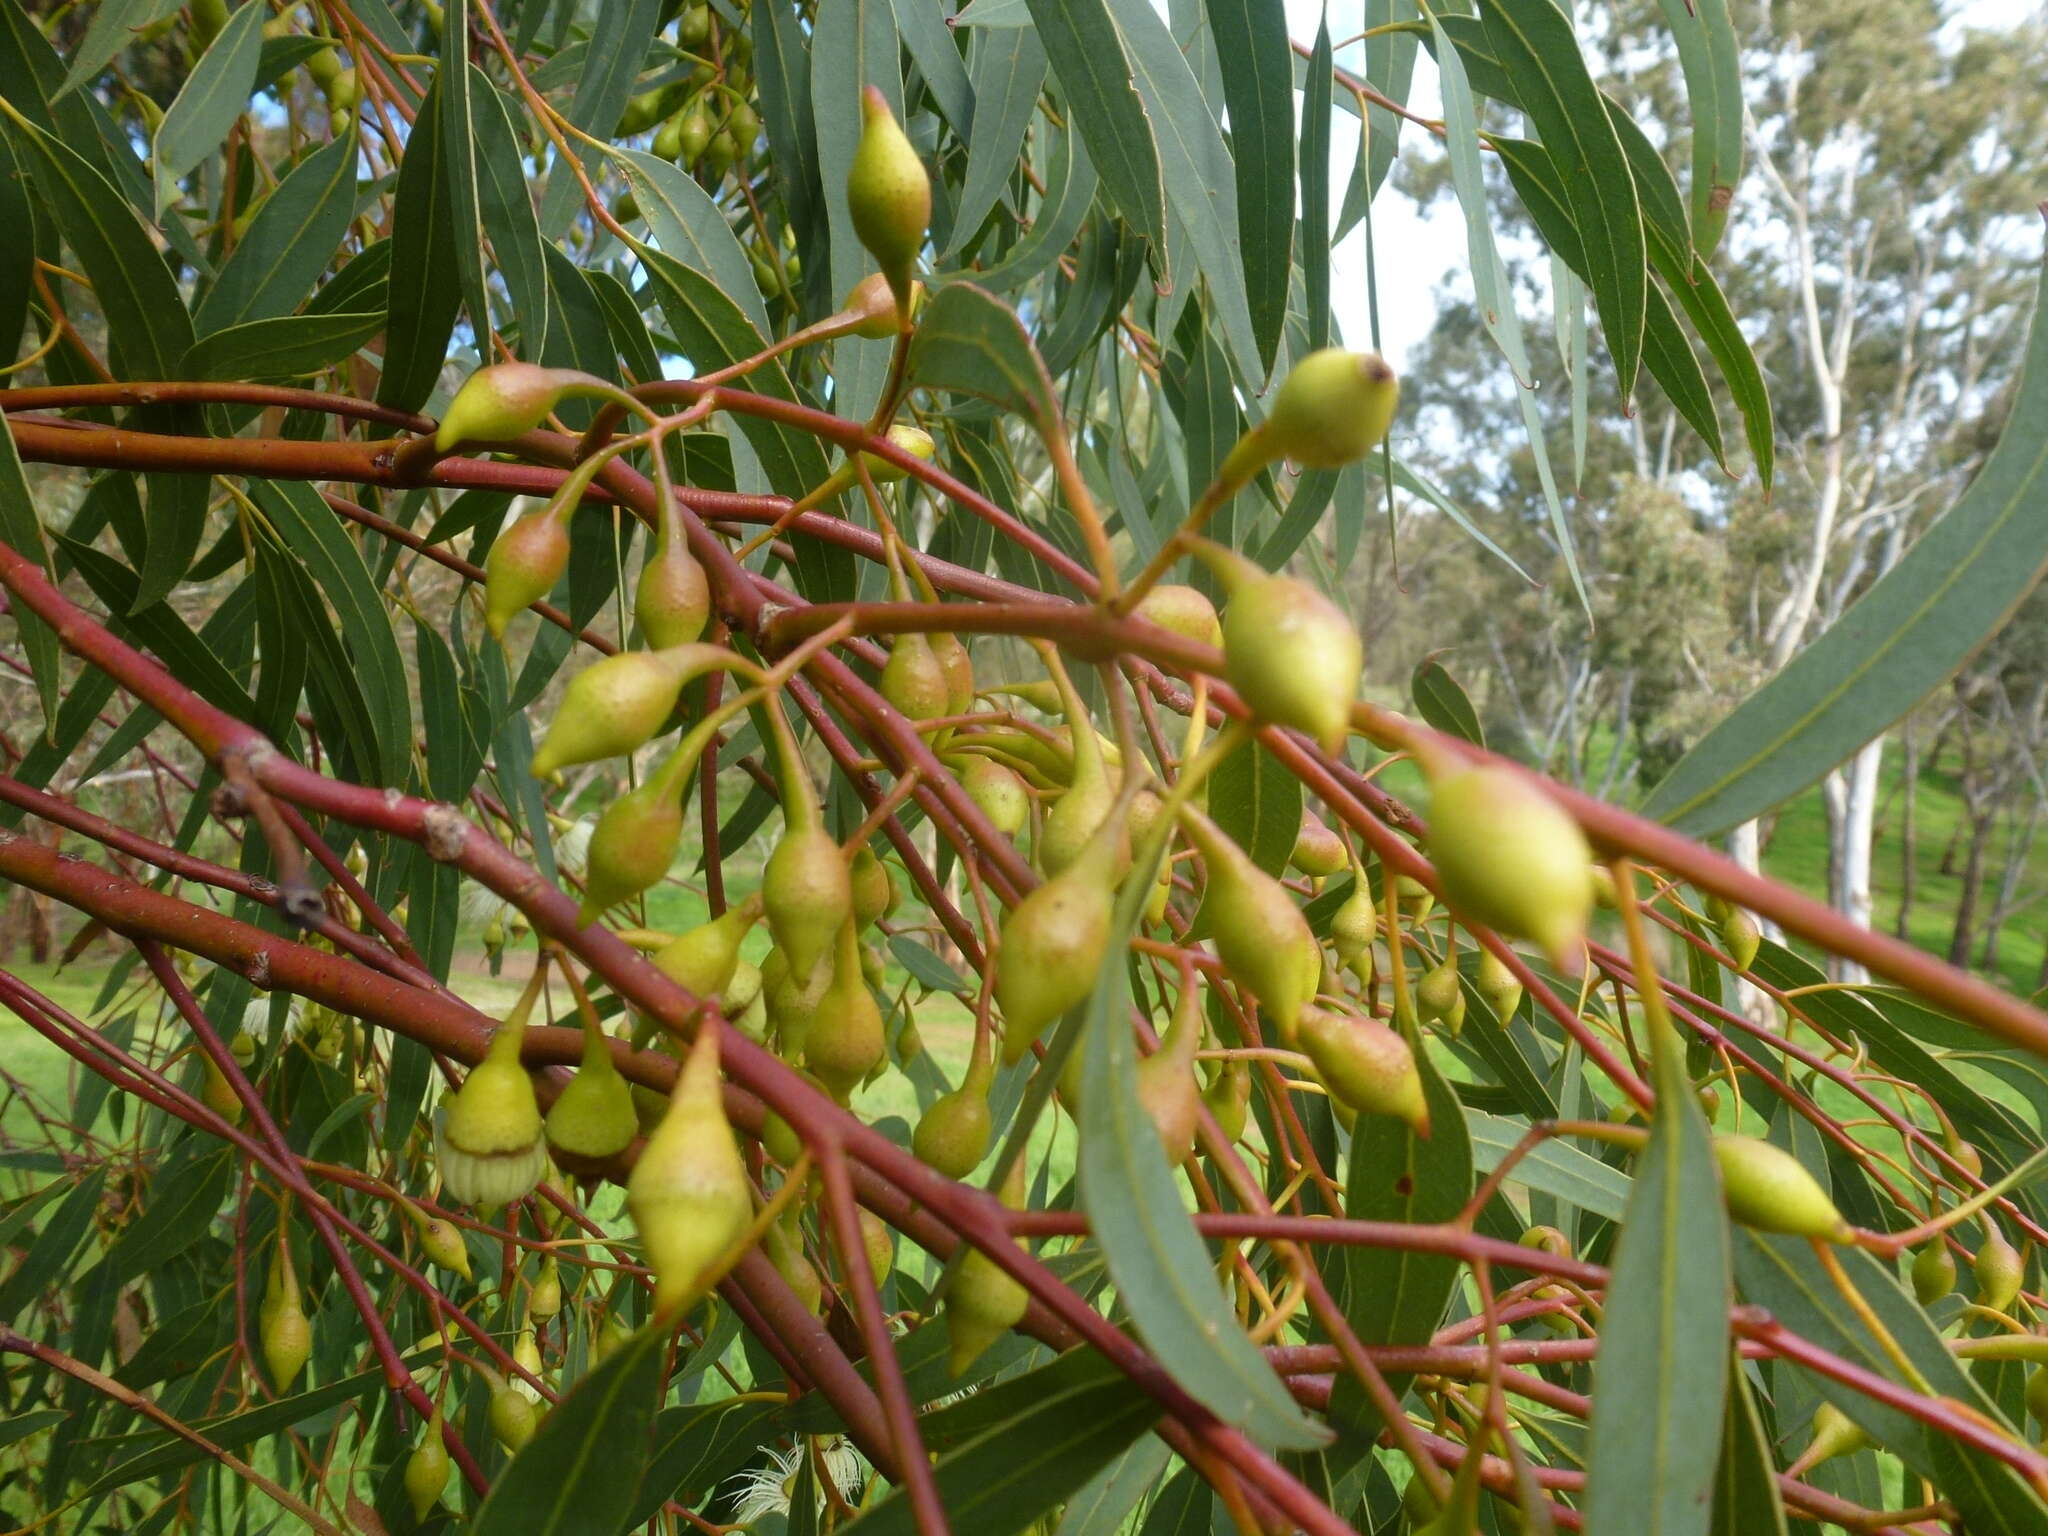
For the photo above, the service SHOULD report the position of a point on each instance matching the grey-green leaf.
(1089, 60)
(1901, 640)
(210, 100)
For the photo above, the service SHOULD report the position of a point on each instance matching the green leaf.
(1315, 186)
(582, 1470)
(1184, 1507)
(21, 1425)
(1490, 281)
(782, 76)
(1664, 1348)
(288, 244)
(690, 228)
(1070, 183)
(927, 32)
(507, 209)
(423, 306)
(1397, 1295)
(1258, 803)
(695, 1448)
(148, 329)
(1080, 1412)
(1712, 64)
(456, 86)
(1746, 1497)
(210, 100)
(183, 1200)
(23, 533)
(1555, 1167)
(972, 343)
(927, 967)
(1536, 46)
(1089, 60)
(1157, 1261)
(1258, 87)
(115, 24)
(1899, 641)
(1389, 69)
(1007, 66)
(282, 347)
(55, 1242)
(1443, 704)
(627, 27)
(1100, 1508)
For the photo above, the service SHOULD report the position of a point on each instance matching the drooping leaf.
(288, 244)
(1257, 802)
(1443, 703)
(1095, 72)
(1258, 86)
(1008, 68)
(422, 307)
(210, 100)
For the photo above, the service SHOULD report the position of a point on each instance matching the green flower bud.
(1769, 1189)
(1054, 939)
(524, 563)
(1333, 407)
(953, 1135)
(1509, 857)
(2000, 1269)
(888, 194)
(1261, 937)
(688, 1193)
(426, 1470)
(617, 705)
(1000, 793)
(1366, 1066)
(490, 1146)
(1934, 1272)
(502, 400)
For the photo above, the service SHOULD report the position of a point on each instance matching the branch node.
(447, 833)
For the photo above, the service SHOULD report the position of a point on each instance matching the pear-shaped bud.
(1262, 938)
(513, 1416)
(1509, 857)
(426, 1470)
(1332, 408)
(1769, 1189)
(672, 601)
(1366, 1065)
(1000, 793)
(1318, 851)
(1186, 611)
(441, 1241)
(688, 1193)
(706, 960)
(880, 1243)
(1547, 1239)
(846, 1040)
(888, 194)
(874, 889)
(1354, 926)
(984, 1302)
(958, 666)
(1834, 1434)
(784, 1245)
(791, 1008)
(1498, 985)
(502, 400)
(218, 1093)
(544, 1299)
(1290, 653)
(524, 563)
(592, 1118)
(1054, 939)
(807, 892)
(1413, 897)
(615, 706)
(283, 1330)
(1440, 994)
(2000, 1268)
(1073, 820)
(952, 1136)
(1934, 1272)
(874, 302)
(526, 1355)
(634, 842)
(491, 1147)
(2037, 1394)
(1741, 937)
(913, 680)
(1166, 1079)
(1228, 1097)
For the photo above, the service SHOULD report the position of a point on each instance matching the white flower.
(766, 1490)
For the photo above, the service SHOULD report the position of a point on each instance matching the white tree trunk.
(1745, 847)
(1851, 795)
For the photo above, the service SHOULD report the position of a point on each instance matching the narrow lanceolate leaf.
(288, 244)
(1443, 704)
(1664, 1352)
(972, 343)
(1007, 65)
(1746, 1498)
(1534, 41)
(212, 97)
(1315, 188)
(1490, 280)
(1392, 1295)
(1162, 1271)
(1095, 74)
(1258, 803)
(507, 209)
(422, 305)
(1079, 1413)
(582, 1470)
(114, 26)
(281, 347)
(148, 328)
(1712, 63)
(688, 226)
(23, 533)
(1901, 640)
(627, 26)
(457, 90)
(923, 27)
(1554, 1168)
(1258, 88)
